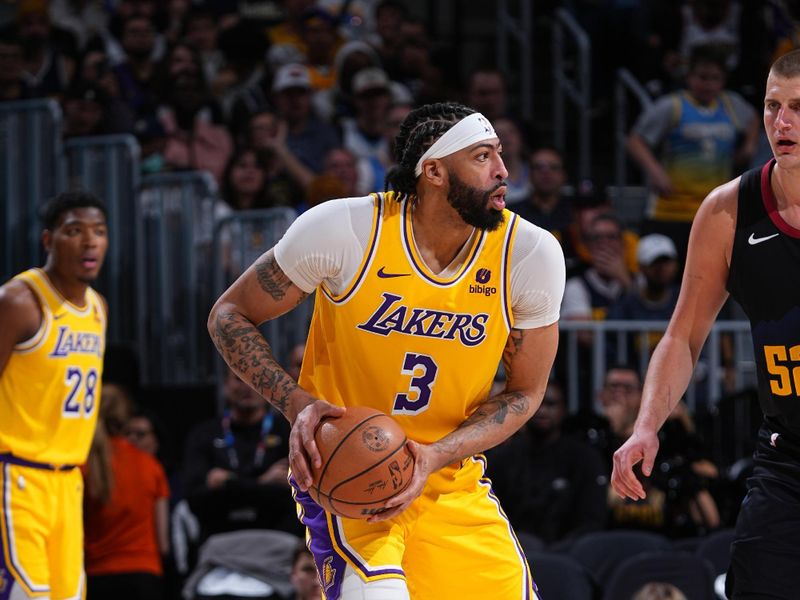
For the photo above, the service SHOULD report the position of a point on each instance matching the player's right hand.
(642, 447)
(303, 450)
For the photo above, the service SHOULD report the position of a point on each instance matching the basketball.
(365, 462)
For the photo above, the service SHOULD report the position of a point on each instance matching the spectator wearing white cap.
(655, 295)
(363, 134)
(337, 101)
(308, 137)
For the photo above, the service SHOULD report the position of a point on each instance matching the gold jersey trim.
(39, 275)
(30, 279)
(508, 244)
(419, 265)
(40, 284)
(366, 261)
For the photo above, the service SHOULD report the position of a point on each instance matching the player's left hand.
(423, 467)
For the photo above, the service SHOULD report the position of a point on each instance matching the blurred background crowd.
(289, 103)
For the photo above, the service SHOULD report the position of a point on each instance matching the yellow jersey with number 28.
(50, 387)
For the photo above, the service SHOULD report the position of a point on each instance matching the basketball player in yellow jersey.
(52, 339)
(421, 292)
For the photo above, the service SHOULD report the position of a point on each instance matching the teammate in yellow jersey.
(422, 291)
(52, 340)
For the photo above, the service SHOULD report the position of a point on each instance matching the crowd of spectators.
(291, 104)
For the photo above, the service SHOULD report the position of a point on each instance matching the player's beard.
(472, 204)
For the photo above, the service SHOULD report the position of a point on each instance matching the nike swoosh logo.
(753, 240)
(384, 275)
(57, 317)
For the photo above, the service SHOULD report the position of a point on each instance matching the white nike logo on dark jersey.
(753, 240)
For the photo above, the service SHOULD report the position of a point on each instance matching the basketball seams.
(338, 446)
(357, 475)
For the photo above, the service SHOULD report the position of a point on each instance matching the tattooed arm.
(264, 292)
(528, 358)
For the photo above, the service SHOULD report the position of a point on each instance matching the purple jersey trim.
(506, 270)
(405, 225)
(330, 563)
(12, 568)
(376, 234)
(363, 567)
(529, 582)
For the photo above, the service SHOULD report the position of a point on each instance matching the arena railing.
(175, 222)
(721, 393)
(520, 30)
(108, 166)
(588, 348)
(31, 171)
(239, 239)
(572, 82)
(626, 86)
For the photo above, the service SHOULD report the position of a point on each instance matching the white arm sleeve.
(537, 277)
(326, 244)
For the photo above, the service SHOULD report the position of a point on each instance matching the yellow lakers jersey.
(50, 387)
(405, 341)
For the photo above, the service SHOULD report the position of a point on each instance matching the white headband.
(469, 130)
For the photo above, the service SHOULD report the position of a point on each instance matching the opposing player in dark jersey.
(745, 242)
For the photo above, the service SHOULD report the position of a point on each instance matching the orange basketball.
(365, 462)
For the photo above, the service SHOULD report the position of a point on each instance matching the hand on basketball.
(422, 469)
(303, 450)
(641, 446)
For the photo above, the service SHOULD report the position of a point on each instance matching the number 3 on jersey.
(79, 385)
(422, 370)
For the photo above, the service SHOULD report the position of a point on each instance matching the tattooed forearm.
(248, 354)
(513, 346)
(270, 276)
(498, 417)
(495, 410)
(487, 426)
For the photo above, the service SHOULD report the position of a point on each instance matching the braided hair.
(418, 132)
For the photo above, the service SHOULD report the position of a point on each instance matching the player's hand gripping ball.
(365, 462)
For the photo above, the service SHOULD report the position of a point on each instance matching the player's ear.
(47, 240)
(434, 171)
